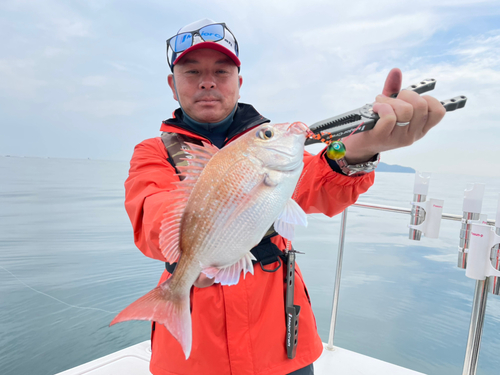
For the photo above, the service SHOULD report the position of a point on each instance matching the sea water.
(68, 265)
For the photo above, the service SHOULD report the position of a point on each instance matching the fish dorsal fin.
(176, 147)
(196, 157)
(170, 226)
(230, 275)
(291, 215)
(204, 152)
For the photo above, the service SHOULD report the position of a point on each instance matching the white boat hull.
(134, 360)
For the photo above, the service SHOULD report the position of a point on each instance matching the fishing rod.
(363, 118)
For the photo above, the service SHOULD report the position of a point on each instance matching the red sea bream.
(225, 204)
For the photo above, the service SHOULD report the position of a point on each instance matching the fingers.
(420, 112)
(407, 107)
(387, 120)
(436, 112)
(393, 82)
(203, 281)
(423, 112)
(361, 147)
(402, 108)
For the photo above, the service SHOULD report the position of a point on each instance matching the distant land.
(383, 167)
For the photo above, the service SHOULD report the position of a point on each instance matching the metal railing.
(479, 301)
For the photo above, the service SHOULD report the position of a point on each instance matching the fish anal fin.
(161, 306)
(230, 275)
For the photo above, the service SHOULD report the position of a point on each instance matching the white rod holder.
(433, 209)
(482, 239)
(420, 191)
(472, 204)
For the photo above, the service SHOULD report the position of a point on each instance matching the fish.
(225, 203)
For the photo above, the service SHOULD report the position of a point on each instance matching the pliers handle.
(363, 118)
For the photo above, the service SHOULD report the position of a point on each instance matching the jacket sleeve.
(151, 176)
(321, 190)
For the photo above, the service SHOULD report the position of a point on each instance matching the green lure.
(335, 150)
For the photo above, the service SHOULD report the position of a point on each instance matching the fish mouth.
(298, 128)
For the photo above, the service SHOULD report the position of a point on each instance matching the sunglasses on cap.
(210, 33)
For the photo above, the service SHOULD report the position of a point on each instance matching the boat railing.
(480, 293)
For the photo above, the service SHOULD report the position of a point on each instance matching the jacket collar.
(245, 117)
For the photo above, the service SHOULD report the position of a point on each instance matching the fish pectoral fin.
(294, 214)
(291, 215)
(230, 275)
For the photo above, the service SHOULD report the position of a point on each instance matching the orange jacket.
(239, 329)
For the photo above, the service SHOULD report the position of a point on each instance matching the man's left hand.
(422, 113)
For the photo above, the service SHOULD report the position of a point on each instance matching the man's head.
(205, 78)
(202, 34)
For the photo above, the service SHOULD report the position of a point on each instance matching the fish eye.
(266, 133)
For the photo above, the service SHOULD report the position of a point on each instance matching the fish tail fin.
(162, 306)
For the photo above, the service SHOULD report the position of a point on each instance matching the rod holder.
(494, 285)
(482, 239)
(420, 191)
(433, 210)
(472, 204)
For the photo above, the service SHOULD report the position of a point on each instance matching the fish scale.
(236, 190)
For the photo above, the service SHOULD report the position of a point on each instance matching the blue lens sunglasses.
(210, 33)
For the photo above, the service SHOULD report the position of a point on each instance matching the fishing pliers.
(363, 119)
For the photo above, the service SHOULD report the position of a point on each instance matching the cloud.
(102, 107)
(474, 72)
(54, 19)
(54, 52)
(314, 85)
(65, 28)
(301, 61)
(465, 141)
(354, 42)
(19, 78)
(96, 81)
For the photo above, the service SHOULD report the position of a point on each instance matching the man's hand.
(422, 113)
(203, 281)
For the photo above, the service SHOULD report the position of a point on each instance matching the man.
(241, 329)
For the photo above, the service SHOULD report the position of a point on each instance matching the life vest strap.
(265, 253)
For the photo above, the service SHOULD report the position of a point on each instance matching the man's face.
(208, 85)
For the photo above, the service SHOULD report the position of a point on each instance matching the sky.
(87, 79)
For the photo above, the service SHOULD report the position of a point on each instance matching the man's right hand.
(203, 281)
(420, 112)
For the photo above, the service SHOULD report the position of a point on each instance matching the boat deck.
(135, 361)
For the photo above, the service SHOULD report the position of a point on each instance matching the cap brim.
(210, 45)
